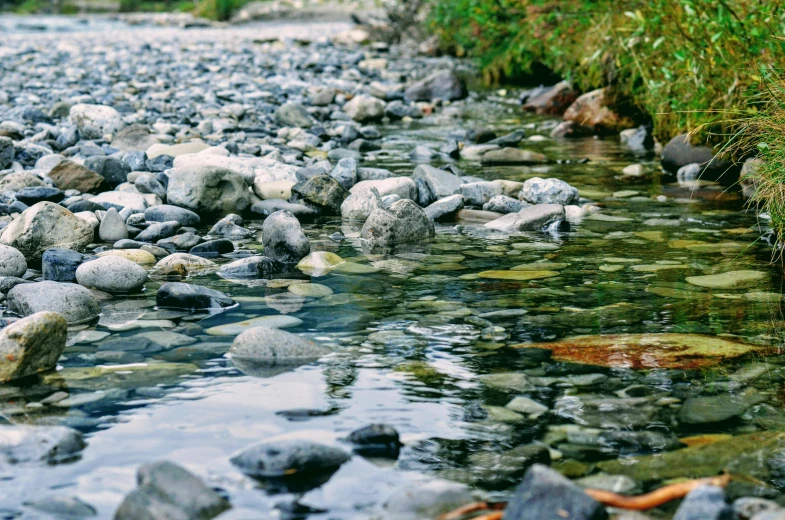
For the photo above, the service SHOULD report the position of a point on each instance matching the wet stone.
(179, 295)
(282, 458)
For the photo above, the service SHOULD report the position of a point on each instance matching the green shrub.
(690, 64)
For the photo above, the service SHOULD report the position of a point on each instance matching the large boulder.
(283, 238)
(403, 222)
(365, 108)
(207, 189)
(592, 110)
(32, 345)
(112, 274)
(679, 152)
(548, 191)
(95, 121)
(74, 302)
(68, 175)
(322, 192)
(167, 491)
(46, 225)
(444, 85)
(532, 218)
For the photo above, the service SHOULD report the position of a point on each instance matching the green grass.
(690, 64)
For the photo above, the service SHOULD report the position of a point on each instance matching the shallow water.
(414, 332)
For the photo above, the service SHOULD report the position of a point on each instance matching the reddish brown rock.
(69, 175)
(593, 110)
(553, 101)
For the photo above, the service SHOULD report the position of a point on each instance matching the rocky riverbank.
(214, 221)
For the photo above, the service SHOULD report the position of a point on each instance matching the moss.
(691, 64)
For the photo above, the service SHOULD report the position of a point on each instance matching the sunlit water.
(410, 350)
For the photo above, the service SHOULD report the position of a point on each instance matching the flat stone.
(273, 321)
(729, 280)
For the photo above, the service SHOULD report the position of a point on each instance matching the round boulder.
(12, 262)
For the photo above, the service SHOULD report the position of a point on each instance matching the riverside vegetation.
(289, 270)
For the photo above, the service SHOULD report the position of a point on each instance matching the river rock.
(294, 114)
(183, 264)
(319, 263)
(532, 218)
(74, 302)
(445, 85)
(270, 346)
(120, 200)
(281, 458)
(251, 267)
(439, 182)
(705, 503)
(112, 274)
(591, 110)
(364, 108)
(323, 192)
(95, 121)
(18, 181)
(729, 280)
(133, 138)
(512, 156)
(211, 248)
(270, 206)
(551, 100)
(345, 172)
(278, 321)
(283, 238)
(48, 444)
(548, 191)
(12, 262)
(157, 231)
(679, 152)
(376, 440)
(167, 212)
(708, 409)
(60, 265)
(445, 208)
(206, 189)
(503, 204)
(31, 345)
(403, 222)
(68, 175)
(544, 493)
(168, 491)
(478, 193)
(112, 227)
(137, 256)
(43, 226)
(178, 295)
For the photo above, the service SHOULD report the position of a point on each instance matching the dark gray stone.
(281, 458)
(444, 85)
(60, 265)
(166, 212)
(113, 170)
(283, 238)
(545, 494)
(180, 295)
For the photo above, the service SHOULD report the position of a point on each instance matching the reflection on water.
(423, 343)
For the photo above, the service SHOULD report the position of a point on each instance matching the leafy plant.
(690, 64)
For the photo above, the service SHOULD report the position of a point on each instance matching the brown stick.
(657, 497)
(472, 508)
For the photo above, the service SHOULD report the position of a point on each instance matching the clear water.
(410, 351)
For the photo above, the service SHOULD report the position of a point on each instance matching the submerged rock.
(32, 345)
(265, 346)
(645, 351)
(178, 295)
(168, 491)
(50, 444)
(319, 263)
(729, 280)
